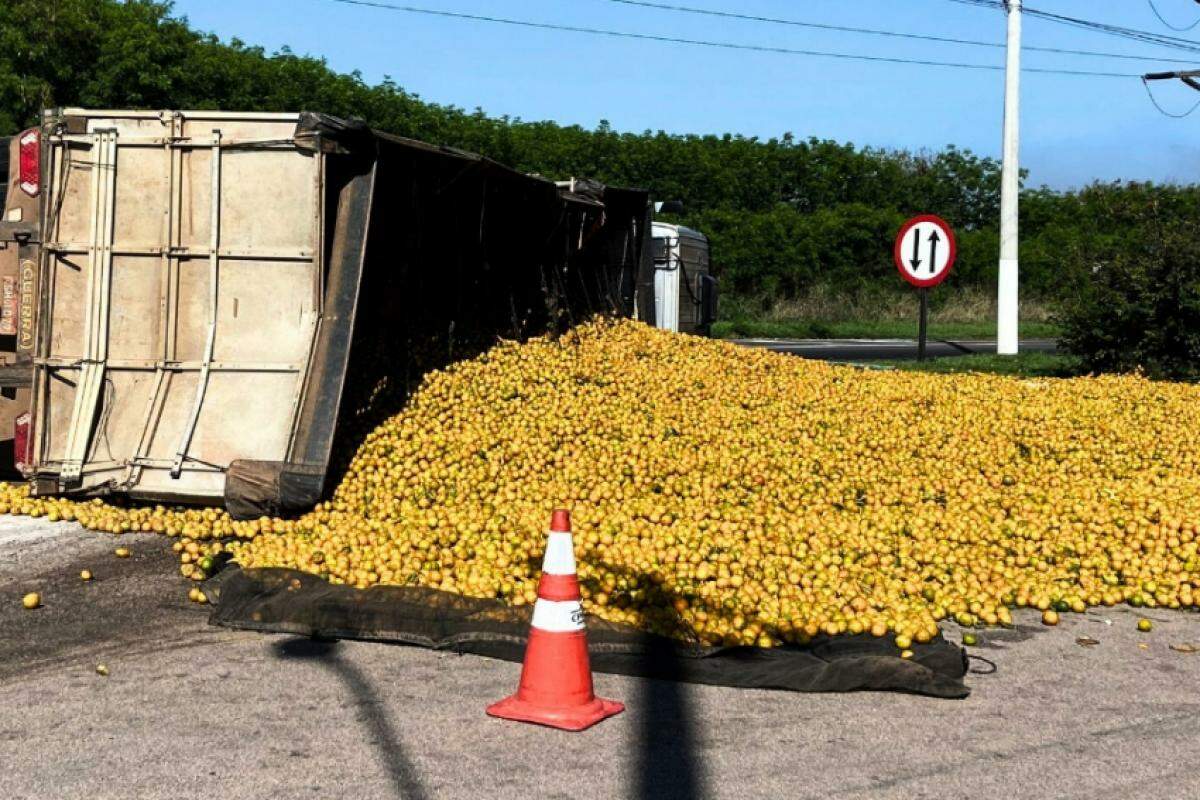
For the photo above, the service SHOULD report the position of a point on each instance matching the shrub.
(1141, 307)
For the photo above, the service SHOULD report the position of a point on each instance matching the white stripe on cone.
(560, 554)
(558, 616)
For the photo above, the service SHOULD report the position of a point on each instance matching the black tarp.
(287, 601)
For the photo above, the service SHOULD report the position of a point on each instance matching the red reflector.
(21, 442)
(31, 162)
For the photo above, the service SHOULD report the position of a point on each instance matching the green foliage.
(754, 328)
(1028, 365)
(781, 252)
(1140, 309)
(785, 215)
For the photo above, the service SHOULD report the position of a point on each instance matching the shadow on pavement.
(668, 767)
(667, 762)
(401, 772)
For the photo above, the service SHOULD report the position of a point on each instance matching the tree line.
(784, 214)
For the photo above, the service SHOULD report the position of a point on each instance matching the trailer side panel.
(182, 298)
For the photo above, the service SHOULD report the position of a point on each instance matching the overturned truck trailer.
(227, 302)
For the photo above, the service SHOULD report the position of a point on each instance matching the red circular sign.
(925, 251)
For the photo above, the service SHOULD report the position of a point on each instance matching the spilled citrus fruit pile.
(740, 496)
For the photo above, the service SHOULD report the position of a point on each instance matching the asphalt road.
(881, 349)
(194, 711)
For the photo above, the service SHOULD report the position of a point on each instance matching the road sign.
(925, 251)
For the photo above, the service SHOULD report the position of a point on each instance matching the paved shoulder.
(134, 602)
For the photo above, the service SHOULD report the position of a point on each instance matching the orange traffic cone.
(556, 679)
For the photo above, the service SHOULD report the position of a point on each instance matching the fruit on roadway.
(742, 497)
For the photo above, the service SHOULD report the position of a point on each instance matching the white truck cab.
(685, 293)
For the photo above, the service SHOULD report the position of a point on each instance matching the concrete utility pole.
(1189, 77)
(1010, 190)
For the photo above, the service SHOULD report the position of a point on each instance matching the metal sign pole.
(924, 324)
(924, 261)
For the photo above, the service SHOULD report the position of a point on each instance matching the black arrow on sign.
(933, 243)
(916, 258)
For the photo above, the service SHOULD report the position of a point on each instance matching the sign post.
(924, 253)
(923, 327)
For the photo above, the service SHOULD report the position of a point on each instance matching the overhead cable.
(1147, 37)
(877, 32)
(1163, 111)
(1163, 19)
(549, 26)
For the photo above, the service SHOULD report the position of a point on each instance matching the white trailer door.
(181, 292)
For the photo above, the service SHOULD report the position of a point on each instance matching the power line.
(876, 32)
(1147, 37)
(1163, 111)
(1166, 41)
(714, 44)
(1117, 30)
(1163, 19)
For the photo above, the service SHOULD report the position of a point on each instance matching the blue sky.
(1076, 129)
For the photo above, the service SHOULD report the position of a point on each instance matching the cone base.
(575, 718)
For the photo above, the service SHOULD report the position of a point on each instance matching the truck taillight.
(21, 442)
(31, 162)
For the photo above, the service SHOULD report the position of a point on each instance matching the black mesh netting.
(287, 601)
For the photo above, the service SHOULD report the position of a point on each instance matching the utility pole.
(1007, 306)
(1188, 77)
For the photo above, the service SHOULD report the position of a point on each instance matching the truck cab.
(685, 292)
